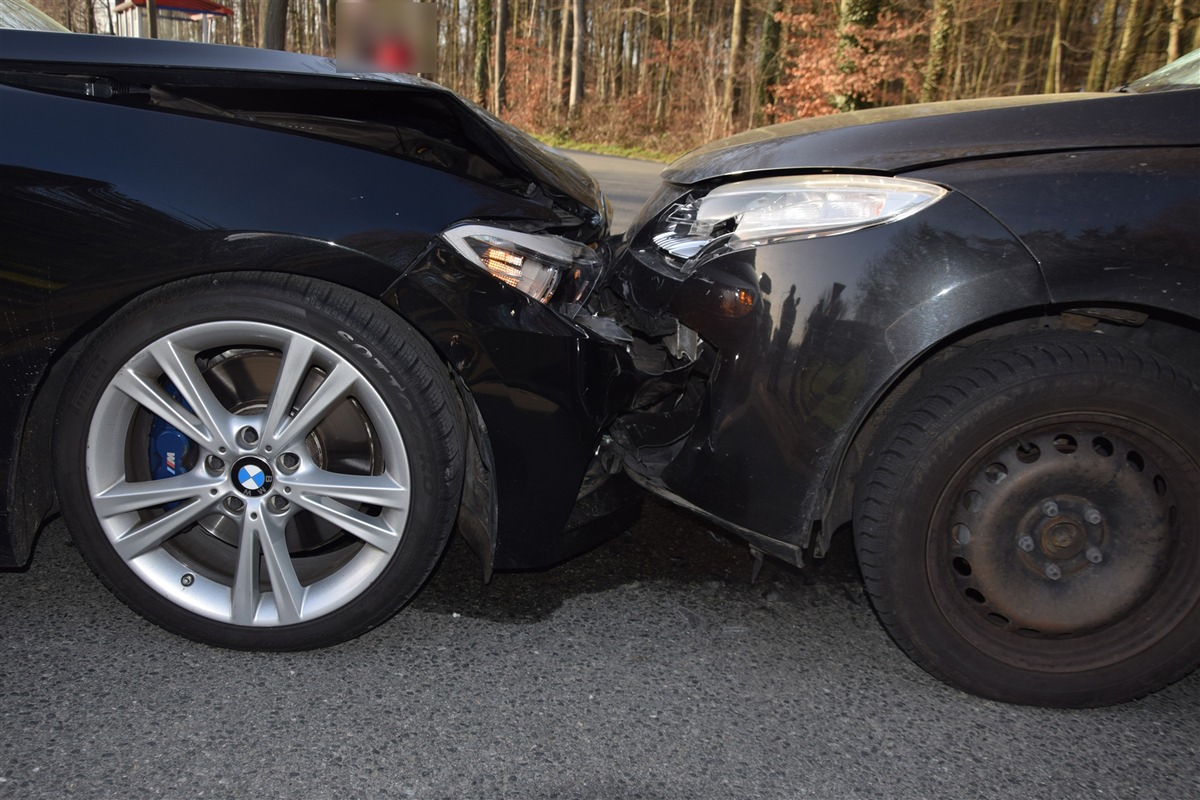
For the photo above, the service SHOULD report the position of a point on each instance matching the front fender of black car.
(805, 338)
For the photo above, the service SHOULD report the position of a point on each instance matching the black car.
(971, 332)
(270, 331)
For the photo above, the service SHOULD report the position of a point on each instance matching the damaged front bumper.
(791, 344)
(540, 384)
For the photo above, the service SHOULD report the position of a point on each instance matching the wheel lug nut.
(1025, 543)
(214, 464)
(1050, 508)
(289, 461)
(1053, 572)
(248, 437)
(1094, 555)
(234, 504)
(1093, 516)
(277, 504)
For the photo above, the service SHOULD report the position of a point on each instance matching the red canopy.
(191, 7)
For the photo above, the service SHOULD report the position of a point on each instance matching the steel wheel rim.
(266, 585)
(991, 585)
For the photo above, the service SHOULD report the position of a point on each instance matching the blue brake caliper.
(169, 448)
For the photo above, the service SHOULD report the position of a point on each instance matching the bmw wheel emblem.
(252, 477)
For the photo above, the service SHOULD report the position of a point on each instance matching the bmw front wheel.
(260, 461)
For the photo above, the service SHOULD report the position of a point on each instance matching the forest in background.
(667, 75)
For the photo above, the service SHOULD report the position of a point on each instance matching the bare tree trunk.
(730, 96)
(323, 26)
(768, 63)
(272, 16)
(1026, 50)
(1098, 72)
(501, 55)
(247, 35)
(1131, 41)
(1175, 30)
(448, 71)
(664, 80)
(483, 38)
(860, 13)
(576, 97)
(560, 64)
(1053, 82)
(939, 38)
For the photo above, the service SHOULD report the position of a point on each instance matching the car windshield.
(22, 16)
(1183, 73)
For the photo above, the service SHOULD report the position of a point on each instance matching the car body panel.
(1127, 215)
(155, 193)
(544, 389)
(831, 328)
(187, 63)
(1081, 203)
(903, 138)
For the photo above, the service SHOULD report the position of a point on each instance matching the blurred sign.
(386, 36)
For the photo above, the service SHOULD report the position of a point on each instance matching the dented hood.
(902, 138)
(185, 63)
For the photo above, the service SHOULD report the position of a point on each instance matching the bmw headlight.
(764, 210)
(541, 265)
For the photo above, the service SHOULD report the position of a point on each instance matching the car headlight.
(755, 212)
(538, 264)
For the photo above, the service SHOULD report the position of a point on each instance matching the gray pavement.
(626, 182)
(648, 668)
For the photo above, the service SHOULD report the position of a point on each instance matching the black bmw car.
(272, 332)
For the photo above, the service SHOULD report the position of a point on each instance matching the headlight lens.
(755, 212)
(538, 264)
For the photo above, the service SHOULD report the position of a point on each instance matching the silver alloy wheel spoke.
(375, 490)
(151, 535)
(334, 389)
(154, 398)
(180, 368)
(125, 496)
(285, 585)
(375, 531)
(245, 594)
(264, 533)
(293, 369)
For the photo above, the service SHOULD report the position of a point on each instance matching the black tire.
(1029, 530)
(310, 495)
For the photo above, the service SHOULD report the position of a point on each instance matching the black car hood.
(538, 163)
(901, 138)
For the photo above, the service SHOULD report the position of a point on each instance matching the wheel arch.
(1164, 332)
(32, 500)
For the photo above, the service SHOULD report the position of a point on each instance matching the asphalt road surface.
(626, 182)
(648, 668)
